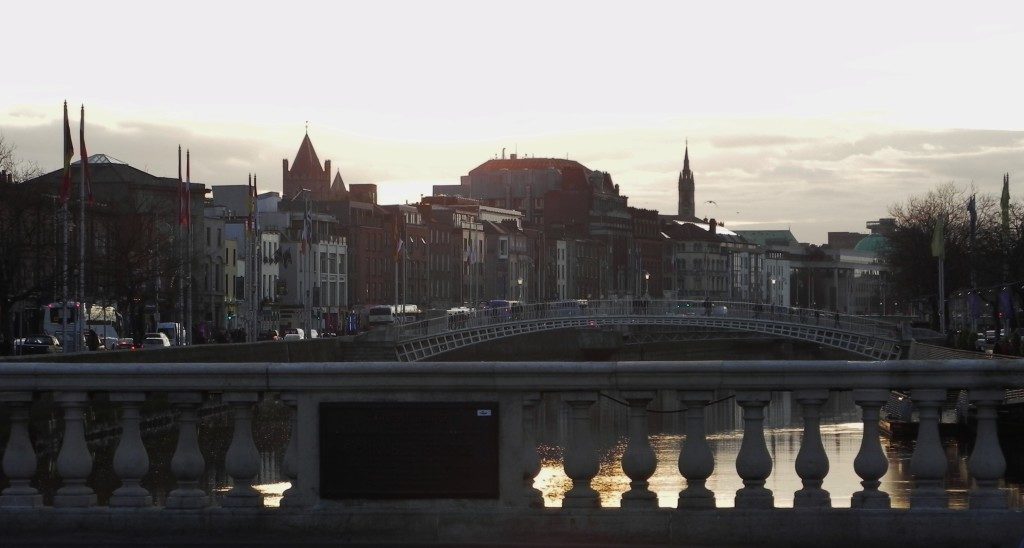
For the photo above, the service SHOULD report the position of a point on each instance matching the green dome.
(873, 243)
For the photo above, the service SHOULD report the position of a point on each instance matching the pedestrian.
(707, 306)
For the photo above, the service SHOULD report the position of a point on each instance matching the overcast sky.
(810, 115)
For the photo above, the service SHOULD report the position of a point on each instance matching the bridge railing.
(516, 388)
(484, 317)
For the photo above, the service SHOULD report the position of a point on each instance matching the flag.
(1004, 206)
(255, 205)
(248, 203)
(939, 239)
(188, 189)
(69, 153)
(85, 158)
(307, 230)
(182, 204)
(397, 238)
(972, 212)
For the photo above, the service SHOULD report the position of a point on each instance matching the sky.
(814, 116)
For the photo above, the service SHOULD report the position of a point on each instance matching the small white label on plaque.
(483, 412)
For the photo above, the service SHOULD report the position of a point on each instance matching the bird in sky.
(711, 202)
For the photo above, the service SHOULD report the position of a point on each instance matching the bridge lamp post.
(647, 279)
(519, 282)
(771, 295)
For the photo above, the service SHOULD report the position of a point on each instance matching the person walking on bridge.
(707, 306)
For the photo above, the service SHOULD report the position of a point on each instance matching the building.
(135, 256)
(306, 173)
(687, 210)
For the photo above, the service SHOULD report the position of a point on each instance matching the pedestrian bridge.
(866, 337)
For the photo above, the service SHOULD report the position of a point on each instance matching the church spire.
(687, 210)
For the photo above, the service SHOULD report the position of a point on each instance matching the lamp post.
(647, 278)
(519, 282)
(771, 296)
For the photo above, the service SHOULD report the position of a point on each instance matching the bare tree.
(20, 170)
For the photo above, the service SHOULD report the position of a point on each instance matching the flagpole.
(942, 293)
(81, 233)
(180, 250)
(188, 259)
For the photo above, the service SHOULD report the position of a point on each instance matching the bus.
(386, 314)
(104, 320)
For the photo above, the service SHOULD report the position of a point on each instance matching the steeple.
(687, 211)
(306, 172)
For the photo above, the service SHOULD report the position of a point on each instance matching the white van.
(294, 334)
(175, 332)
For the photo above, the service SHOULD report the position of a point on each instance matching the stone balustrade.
(517, 515)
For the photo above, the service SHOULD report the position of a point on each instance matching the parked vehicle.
(156, 340)
(39, 344)
(105, 321)
(294, 334)
(175, 332)
(125, 344)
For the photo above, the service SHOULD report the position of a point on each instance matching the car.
(156, 340)
(271, 335)
(125, 344)
(294, 334)
(39, 344)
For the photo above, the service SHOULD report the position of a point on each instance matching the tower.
(306, 172)
(686, 207)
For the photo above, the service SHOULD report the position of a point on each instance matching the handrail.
(513, 376)
(477, 318)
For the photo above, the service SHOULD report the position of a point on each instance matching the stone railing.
(517, 513)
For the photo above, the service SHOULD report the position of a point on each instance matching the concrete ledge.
(779, 527)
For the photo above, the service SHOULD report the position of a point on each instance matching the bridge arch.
(868, 338)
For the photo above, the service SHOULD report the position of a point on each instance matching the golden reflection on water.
(841, 442)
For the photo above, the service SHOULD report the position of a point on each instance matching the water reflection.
(841, 437)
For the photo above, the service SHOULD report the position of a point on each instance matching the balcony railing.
(517, 515)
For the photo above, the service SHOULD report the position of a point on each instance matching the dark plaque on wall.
(408, 450)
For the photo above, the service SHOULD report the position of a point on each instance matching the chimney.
(513, 156)
(327, 169)
(713, 226)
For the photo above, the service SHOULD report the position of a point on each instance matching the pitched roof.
(306, 163)
(338, 185)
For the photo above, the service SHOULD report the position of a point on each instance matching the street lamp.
(771, 295)
(519, 281)
(647, 278)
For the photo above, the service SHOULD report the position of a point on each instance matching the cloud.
(747, 141)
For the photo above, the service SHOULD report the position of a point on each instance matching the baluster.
(291, 495)
(811, 461)
(242, 461)
(696, 461)
(928, 463)
(187, 464)
(74, 462)
(639, 461)
(987, 464)
(581, 464)
(19, 457)
(130, 459)
(753, 463)
(870, 463)
(531, 460)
